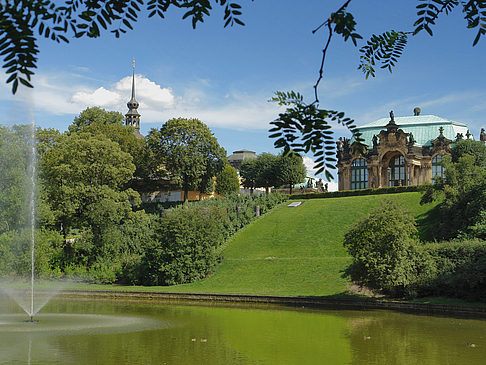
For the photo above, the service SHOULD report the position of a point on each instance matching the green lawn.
(293, 251)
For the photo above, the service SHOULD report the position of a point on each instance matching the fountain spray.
(32, 217)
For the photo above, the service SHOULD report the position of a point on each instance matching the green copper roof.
(425, 128)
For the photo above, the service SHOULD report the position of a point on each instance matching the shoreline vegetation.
(269, 258)
(268, 261)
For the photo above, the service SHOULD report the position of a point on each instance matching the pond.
(145, 332)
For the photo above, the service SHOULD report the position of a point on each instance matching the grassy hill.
(292, 251)
(297, 251)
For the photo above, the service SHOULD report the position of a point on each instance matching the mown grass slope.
(297, 251)
(293, 251)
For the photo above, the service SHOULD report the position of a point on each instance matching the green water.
(120, 332)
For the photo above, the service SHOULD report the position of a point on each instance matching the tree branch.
(327, 23)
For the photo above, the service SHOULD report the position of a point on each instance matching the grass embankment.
(292, 251)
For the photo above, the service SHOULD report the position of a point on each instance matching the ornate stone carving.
(440, 144)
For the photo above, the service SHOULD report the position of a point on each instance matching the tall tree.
(248, 173)
(227, 181)
(189, 151)
(84, 177)
(97, 121)
(290, 169)
(95, 115)
(260, 172)
(266, 165)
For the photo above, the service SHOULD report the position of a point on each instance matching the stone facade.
(391, 156)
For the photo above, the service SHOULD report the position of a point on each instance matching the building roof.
(425, 128)
(241, 155)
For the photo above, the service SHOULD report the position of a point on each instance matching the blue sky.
(225, 77)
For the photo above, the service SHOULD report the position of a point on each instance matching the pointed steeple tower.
(132, 118)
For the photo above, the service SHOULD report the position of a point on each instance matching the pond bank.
(310, 302)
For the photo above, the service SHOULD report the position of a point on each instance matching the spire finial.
(133, 80)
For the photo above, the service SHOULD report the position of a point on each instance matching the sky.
(225, 76)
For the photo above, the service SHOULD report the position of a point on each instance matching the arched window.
(396, 169)
(437, 169)
(359, 174)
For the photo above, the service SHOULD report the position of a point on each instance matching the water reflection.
(172, 333)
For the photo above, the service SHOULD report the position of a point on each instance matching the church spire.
(133, 80)
(132, 118)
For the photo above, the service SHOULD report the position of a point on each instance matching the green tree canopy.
(227, 181)
(46, 139)
(462, 211)
(248, 173)
(266, 166)
(477, 149)
(84, 177)
(95, 115)
(97, 121)
(290, 170)
(260, 172)
(189, 151)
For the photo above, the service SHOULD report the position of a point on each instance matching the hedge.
(344, 193)
(460, 269)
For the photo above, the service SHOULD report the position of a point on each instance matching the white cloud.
(309, 165)
(99, 97)
(234, 110)
(67, 94)
(148, 92)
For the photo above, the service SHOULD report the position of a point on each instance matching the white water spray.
(32, 166)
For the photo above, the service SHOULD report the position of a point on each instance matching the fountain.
(18, 294)
(32, 175)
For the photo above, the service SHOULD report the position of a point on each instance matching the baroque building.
(397, 151)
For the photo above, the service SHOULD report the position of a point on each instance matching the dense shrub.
(184, 247)
(461, 192)
(186, 240)
(239, 210)
(387, 257)
(15, 253)
(384, 250)
(460, 269)
(112, 259)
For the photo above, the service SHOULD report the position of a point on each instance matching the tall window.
(359, 174)
(437, 169)
(396, 169)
